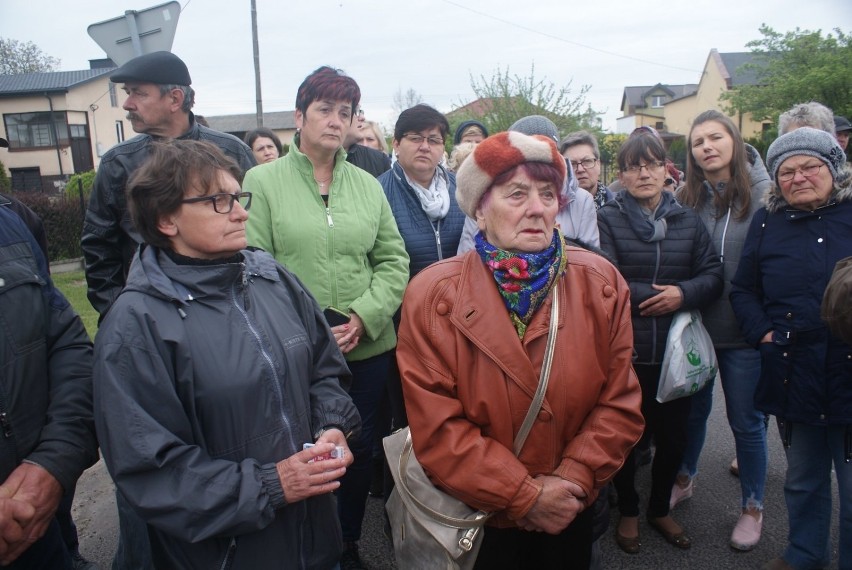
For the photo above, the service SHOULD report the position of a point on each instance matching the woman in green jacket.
(329, 223)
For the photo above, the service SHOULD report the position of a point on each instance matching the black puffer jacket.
(109, 238)
(685, 257)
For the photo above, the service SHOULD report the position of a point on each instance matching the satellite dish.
(137, 32)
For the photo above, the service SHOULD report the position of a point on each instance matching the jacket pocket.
(23, 304)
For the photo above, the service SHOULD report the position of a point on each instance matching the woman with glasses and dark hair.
(725, 183)
(330, 223)
(212, 370)
(664, 252)
(265, 145)
(790, 252)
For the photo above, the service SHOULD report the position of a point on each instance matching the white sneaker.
(680, 493)
(746, 534)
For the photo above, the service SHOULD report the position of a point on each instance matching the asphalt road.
(709, 516)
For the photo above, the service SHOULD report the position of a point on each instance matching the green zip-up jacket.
(349, 255)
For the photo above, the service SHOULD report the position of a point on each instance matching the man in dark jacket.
(46, 415)
(373, 161)
(159, 103)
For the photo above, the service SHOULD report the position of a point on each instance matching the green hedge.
(72, 188)
(63, 222)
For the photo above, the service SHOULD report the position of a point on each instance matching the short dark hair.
(329, 84)
(174, 169)
(255, 134)
(419, 118)
(640, 147)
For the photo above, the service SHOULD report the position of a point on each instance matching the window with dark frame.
(119, 131)
(34, 130)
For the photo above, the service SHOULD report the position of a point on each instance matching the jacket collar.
(479, 314)
(304, 164)
(156, 274)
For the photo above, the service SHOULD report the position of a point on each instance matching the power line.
(559, 39)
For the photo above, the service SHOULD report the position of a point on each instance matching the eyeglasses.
(418, 139)
(586, 163)
(223, 203)
(807, 171)
(655, 166)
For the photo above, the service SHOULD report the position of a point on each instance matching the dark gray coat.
(205, 377)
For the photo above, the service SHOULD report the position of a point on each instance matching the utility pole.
(256, 51)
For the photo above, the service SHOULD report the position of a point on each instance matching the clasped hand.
(348, 335)
(28, 501)
(668, 300)
(556, 507)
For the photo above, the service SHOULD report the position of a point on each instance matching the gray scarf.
(434, 200)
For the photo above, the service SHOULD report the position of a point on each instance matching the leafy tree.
(796, 67)
(507, 97)
(19, 57)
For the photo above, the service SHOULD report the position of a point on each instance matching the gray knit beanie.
(808, 141)
(536, 125)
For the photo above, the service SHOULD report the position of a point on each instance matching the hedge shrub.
(72, 188)
(63, 222)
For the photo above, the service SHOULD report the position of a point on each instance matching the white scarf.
(434, 200)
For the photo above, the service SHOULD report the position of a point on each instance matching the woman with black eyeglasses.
(212, 370)
(664, 252)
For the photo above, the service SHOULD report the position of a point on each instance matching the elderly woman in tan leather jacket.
(471, 347)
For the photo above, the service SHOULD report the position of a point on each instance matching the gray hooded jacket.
(728, 233)
(205, 377)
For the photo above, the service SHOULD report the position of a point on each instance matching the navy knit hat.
(160, 67)
(808, 141)
(465, 126)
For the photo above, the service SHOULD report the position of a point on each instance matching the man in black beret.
(158, 105)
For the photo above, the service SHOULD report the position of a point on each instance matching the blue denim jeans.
(807, 492)
(739, 369)
(369, 381)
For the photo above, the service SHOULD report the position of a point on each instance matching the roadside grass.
(73, 286)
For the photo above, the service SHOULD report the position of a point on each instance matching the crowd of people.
(269, 314)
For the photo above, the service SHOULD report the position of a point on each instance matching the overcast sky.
(432, 46)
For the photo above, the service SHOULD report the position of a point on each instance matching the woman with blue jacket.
(806, 376)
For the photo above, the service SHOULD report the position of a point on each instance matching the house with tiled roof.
(59, 123)
(671, 108)
(722, 73)
(642, 105)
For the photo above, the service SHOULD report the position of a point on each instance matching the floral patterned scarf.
(523, 279)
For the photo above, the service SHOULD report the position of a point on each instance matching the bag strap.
(481, 516)
(544, 378)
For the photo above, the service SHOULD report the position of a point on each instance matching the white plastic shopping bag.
(690, 361)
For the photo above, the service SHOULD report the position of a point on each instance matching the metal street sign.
(137, 32)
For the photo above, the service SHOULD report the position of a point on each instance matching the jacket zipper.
(267, 358)
(654, 319)
(229, 555)
(438, 239)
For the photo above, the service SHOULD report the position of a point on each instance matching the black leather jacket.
(45, 366)
(109, 238)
